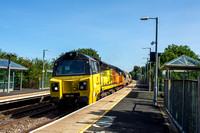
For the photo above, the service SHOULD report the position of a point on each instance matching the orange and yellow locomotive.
(83, 79)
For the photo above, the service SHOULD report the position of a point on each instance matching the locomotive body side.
(107, 80)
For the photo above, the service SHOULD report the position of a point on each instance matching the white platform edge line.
(1, 101)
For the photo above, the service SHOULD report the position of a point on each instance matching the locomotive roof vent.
(72, 55)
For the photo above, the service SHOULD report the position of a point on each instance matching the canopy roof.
(13, 65)
(182, 63)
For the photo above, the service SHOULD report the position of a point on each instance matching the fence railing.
(46, 82)
(15, 83)
(182, 100)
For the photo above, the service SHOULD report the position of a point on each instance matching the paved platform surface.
(134, 114)
(129, 110)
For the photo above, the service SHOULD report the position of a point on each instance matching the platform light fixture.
(144, 18)
(152, 43)
(156, 71)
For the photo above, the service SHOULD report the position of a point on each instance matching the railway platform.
(20, 95)
(129, 110)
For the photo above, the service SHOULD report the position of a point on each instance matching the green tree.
(135, 72)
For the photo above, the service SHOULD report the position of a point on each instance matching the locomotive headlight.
(55, 86)
(83, 85)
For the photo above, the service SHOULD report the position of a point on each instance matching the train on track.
(78, 78)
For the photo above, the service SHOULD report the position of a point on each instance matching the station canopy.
(13, 65)
(182, 63)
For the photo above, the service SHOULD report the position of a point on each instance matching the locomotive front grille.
(67, 86)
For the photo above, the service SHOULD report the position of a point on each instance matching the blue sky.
(111, 27)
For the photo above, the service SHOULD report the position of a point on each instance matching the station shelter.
(14, 67)
(182, 92)
(182, 64)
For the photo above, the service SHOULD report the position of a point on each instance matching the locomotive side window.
(95, 67)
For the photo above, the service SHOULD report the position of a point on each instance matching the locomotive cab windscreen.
(71, 67)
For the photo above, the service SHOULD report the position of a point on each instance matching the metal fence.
(46, 82)
(15, 83)
(4, 83)
(181, 101)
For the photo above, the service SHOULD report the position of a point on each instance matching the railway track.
(29, 117)
(12, 120)
(49, 121)
(14, 111)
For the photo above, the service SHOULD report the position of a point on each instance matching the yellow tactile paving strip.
(21, 96)
(81, 120)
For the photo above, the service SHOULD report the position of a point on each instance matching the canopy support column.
(4, 81)
(21, 80)
(13, 85)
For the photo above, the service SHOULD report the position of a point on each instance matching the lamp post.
(43, 71)
(146, 69)
(149, 68)
(143, 70)
(9, 63)
(156, 71)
